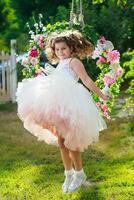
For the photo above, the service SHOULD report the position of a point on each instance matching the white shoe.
(68, 179)
(78, 179)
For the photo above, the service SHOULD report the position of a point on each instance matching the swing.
(76, 16)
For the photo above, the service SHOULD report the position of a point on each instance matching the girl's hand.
(106, 97)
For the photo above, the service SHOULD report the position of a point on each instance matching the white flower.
(31, 32)
(100, 49)
(36, 25)
(112, 74)
(40, 25)
(36, 38)
(44, 29)
(101, 46)
(40, 15)
(27, 24)
(105, 90)
(97, 52)
(114, 66)
(32, 36)
(109, 46)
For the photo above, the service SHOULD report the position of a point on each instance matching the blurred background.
(32, 170)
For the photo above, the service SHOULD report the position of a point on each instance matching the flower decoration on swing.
(32, 62)
(108, 60)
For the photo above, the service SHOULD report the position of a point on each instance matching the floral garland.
(37, 43)
(108, 60)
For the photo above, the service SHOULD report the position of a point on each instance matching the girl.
(59, 110)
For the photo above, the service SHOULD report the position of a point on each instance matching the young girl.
(59, 110)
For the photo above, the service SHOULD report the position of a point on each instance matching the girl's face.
(62, 50)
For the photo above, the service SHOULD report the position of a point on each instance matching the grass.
(33, 170)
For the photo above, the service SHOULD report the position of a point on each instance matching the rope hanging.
(76, 16)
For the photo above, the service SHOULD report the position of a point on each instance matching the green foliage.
(112, 21)
(62, 14)
(87, 31)
(98, 1)
(97, 13)
(119, 2)
(3, 45)
(129, 66)
(9, 28)
(15, 14)
(23, 45)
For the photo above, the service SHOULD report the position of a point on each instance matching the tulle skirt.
(55, 105)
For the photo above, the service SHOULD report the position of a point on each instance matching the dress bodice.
(64, 67)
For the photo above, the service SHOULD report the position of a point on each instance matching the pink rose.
(25, 61)
(113, 56)
(101, 60)
(41, 45)
(34, 61)
(108, 80)
(105, 108)
(34, 53)
(106, 115)
(42, 38)
(119, 71)
(98, 104)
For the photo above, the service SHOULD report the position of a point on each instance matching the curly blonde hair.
(79, 46)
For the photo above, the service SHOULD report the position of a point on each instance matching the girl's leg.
(69, 158)
(69, 171)
(76, 158)
(65, 154)
(79, 175)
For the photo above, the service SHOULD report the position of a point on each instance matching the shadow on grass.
(8, 107)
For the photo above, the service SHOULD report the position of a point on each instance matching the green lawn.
(33, 170)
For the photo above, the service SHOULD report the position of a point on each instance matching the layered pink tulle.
(57, 105)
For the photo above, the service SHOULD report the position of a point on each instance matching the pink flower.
(34, 61)
(102, 40)
(105, 108)
(101, 60)
(25, 61)
(113, 56)
(119, 71)
(34, 52)
(108, 80)
(41, 45)
(98, 104)
(106, 115)
(38, 73)
(42, 38)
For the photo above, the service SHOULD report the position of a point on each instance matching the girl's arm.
(79, 68)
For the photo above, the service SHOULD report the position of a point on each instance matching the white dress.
(58, 105)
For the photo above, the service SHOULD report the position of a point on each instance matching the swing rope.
(76, 15)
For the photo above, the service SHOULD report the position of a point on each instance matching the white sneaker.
(78, 179)
(68, 179)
